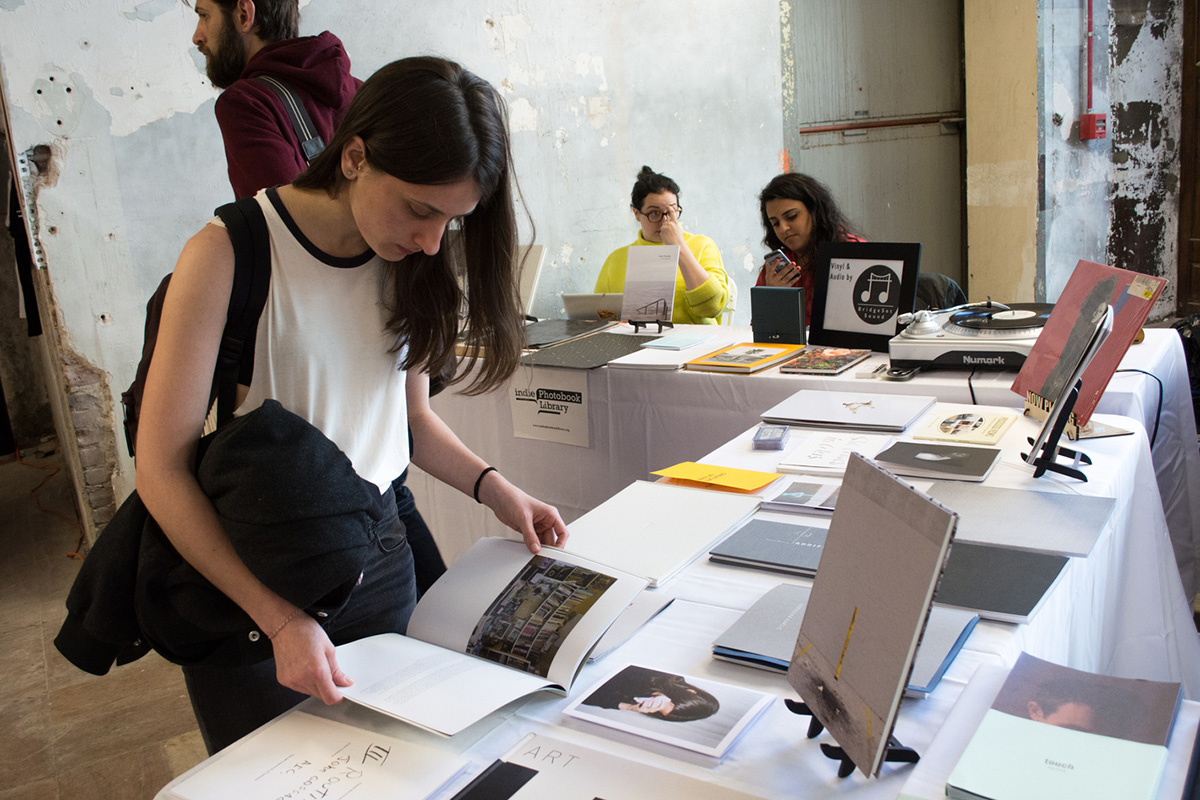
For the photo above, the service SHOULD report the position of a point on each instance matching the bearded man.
(243, 39)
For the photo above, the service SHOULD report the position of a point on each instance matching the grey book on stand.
(997, 582)
(780, 546)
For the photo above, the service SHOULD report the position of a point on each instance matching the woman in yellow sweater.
(701, 285)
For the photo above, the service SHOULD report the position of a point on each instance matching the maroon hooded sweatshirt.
(260, 146)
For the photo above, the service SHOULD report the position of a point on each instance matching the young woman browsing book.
(363, 306)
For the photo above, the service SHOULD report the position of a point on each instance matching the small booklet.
(745, 358)
(302, 755)
(968, 424)
(711, 476)
(779, 546)
(541, 766)
(693, 713)
(826, 453)
(939, 461)
(810, 495)
(763, 637)
(500, 624)
(818, 360)
(1057, 732)
(681, 340)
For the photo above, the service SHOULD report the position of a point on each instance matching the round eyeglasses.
(656, 214)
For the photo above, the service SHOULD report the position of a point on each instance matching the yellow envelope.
(741, 480)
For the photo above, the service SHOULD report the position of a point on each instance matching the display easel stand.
(661, 323)
(896, 752)
(1047, 459)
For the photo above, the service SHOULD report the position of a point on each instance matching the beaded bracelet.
(479, 480)
(284, 624)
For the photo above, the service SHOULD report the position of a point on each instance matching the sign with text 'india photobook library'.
(551, 405)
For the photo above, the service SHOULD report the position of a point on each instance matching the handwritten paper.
(302, 756)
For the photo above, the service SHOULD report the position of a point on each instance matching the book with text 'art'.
(1065, 337)
(1057, 732)
(744, 358)
(654, 529)
(826, 452)
(696, 714)
(301, 755)
(951, 462)
(868, 608)
(540, 767)
(764, 635)
(864, 412)
(499, 625)
(818, 360)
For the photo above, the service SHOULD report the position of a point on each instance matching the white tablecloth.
(1119, 611)
(644, 420)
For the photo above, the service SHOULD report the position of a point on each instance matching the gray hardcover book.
(996, 582)
(763, 637)
(794, 549)
(586, 352)
(1045, 522)
(947, 461)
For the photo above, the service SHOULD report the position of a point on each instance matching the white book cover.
(803, 495)
(540, 767)
(301, 755)
(1057, 732)
(826, 452)
(499, 625)
(869, 412)
(654, 529)
(682, 340)
(651, 356)
(696, 714)
(650, 283)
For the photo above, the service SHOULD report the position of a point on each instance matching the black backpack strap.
(306, 132)
(251, 241)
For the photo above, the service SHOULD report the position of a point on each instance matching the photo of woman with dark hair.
(661, 694)
(684, 711)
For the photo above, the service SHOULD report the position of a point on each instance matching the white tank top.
(322, 350)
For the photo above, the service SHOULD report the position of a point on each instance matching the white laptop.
(593, 306)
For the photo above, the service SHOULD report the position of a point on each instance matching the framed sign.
(860, 290)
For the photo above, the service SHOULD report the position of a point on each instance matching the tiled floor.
(67, 734)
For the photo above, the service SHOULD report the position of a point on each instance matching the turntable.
(972, 336)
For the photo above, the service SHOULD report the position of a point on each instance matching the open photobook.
(500, 624)
(697, 714)
(1057, 732)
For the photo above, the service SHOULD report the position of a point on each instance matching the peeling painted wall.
(1075, 200)
(1146, 110)
(595, 91)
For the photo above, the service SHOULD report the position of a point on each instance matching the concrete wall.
(118, 94)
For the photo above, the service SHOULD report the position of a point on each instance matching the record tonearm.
(984, 335)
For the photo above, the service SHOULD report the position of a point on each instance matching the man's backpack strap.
(302, 124)
(251, 241)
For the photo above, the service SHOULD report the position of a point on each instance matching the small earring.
(349, 173)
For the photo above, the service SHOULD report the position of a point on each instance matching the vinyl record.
(1018, 317)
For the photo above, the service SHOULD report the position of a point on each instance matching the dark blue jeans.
(427, 560)
(230, 703)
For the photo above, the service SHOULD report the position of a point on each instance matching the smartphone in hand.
(777, 261)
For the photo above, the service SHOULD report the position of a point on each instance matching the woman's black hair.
(650, 182)
(829, 224)
(428, 121)
(691, 703)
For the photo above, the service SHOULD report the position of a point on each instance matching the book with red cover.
(1059, 346)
